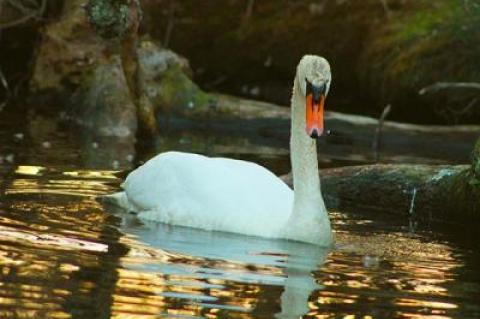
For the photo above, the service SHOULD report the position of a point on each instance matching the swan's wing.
(210, 193)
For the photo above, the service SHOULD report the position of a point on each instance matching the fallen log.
(421, 192)
(439, 86)
(351, 136)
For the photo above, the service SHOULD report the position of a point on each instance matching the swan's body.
(222, 194)
(209, 193)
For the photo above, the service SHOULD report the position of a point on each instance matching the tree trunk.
(121, 20)
(147, 123)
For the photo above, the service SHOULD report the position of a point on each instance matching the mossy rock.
(103, 103)
(179, 94)
(166, 77)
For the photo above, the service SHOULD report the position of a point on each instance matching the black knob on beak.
(316, 90)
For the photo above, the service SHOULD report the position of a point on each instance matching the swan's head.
(314, 78)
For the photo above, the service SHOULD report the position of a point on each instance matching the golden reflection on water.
(29, 170)
(63, 256)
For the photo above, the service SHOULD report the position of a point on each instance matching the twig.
(19, 6)
(386, 8)
(219, 80)
(30, 3)
(14, 23)
(171, 23)
(29, 14)
(439, 86)
(42, 9)
(457, 114)
(468, 107)
(249, 10)
(4, 82)
(378, 132)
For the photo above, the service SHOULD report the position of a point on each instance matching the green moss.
(178, 92)
(424, 43)
(475, 172)
(424, 21)
(461, 195)
(110, 18)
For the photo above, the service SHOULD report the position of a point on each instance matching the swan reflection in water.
(218, 257)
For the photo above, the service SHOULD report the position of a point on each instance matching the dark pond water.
(63, 255)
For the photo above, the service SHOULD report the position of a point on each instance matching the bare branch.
(14, 23)
(439, 86)
(4, 82)
(249, 10)
(467, 108)
(377, 140)
(386, 8)
(27, 13)
(42, 8)
(170, 25)
(20, 7)
(33, 3)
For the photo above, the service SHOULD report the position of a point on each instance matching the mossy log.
(421, 192)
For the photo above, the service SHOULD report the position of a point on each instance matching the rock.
(103, 103)
(420, 192)
(166, 80)
(69, 51)
(446, 193)
(83, 71)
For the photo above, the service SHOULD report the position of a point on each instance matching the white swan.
(236, 196)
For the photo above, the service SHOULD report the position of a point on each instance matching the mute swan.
(221, 194)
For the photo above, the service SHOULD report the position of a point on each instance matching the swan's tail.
(117, 199)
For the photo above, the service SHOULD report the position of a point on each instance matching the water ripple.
(62, 255)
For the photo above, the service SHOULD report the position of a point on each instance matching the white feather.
(210, 193)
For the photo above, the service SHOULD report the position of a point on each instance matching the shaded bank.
(379, 54)
(84, 71)
(427, 42)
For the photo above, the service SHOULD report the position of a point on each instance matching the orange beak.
(315, 104)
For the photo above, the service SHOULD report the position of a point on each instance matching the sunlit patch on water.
(63, 255)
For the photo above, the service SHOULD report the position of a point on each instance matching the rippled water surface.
(63, 255)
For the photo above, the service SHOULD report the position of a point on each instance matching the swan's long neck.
(309, 214)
